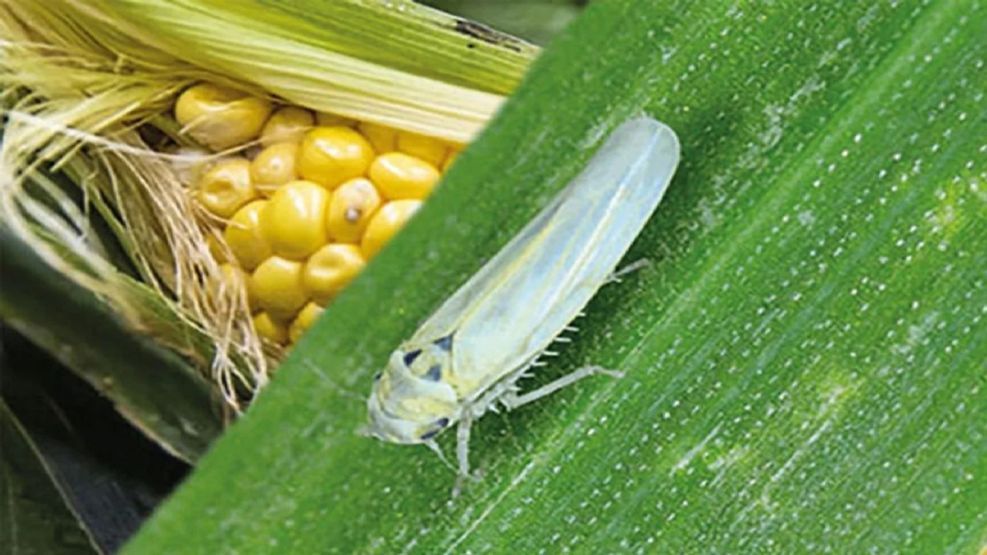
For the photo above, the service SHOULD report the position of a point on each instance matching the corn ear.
(83, 81)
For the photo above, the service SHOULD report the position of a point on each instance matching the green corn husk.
(83, 82)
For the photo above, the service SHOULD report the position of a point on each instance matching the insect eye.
(434, 373)
(410, 357)
(444, 343)
(440, 425)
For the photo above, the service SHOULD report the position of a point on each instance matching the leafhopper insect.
(469, 355)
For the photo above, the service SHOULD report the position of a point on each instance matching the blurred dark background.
(75, 477)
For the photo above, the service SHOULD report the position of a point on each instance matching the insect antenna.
(343, 391)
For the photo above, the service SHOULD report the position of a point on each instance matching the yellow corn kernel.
(274, 166)
(400, 176)
(388, 220)
(277, 286)
(244, 236)
(331, 269)
(428, 149)
(306, 317)
(294, 220)
(288, 124)
(383, 138)
(270, 329)
(350, 210)
(226, 187)
(220, 117)
(325, 119)
(331, 155)
(450, 160)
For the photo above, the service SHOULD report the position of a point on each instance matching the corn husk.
(83, 82)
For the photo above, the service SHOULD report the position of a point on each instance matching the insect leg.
(512, 400)
(462, 450)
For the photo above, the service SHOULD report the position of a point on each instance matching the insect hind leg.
(512, 400)
(462, 452)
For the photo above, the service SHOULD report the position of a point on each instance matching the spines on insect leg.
(478, 407)
(510, 389)
(618, 274)
(537, 361)
(562, 337)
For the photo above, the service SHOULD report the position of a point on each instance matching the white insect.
(469, 355)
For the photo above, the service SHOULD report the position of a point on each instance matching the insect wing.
(524, 296)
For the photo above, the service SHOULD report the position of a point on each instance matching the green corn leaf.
(152, 387)
(804, 357)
